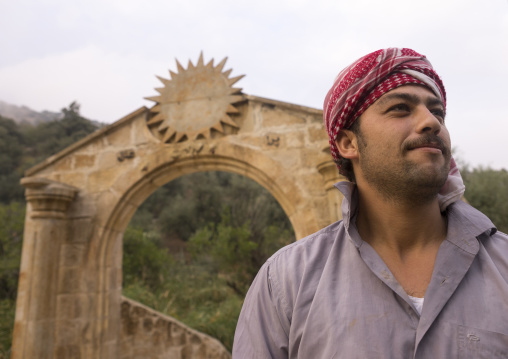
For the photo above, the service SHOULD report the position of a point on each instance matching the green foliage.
(11, 145)
(237, 253)
(11, 152)
(196, 297)
(231, 248)
(51, 137)
(24, 146)
(487, 190)
(234, 223)
(144, 260)
(7, 310)
(231, 226)
(191, 202)
(12, 218)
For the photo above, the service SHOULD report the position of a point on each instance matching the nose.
(427, 121)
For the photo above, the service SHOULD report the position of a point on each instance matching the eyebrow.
(413, 99)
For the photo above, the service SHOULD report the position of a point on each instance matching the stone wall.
(147, 334)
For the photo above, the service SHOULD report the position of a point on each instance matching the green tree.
(235, 224)
(230, 224)
(23, 146)
(191, 202)
(11, 228)
(12, 217)
(237, 252)
(487, 190)
(48, 138)
(11, 154)
(144, 260)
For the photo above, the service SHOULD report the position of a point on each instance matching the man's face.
(404, 146)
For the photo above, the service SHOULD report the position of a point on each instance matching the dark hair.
(345, 164)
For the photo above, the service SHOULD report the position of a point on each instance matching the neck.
(401, 227)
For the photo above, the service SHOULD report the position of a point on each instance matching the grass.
(195, 296)
(7, 310)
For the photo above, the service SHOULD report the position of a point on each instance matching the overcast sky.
(105, 53)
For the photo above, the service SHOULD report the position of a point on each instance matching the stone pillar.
(331, 176)
(45, 230)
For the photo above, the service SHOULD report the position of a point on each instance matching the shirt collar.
(465, 223)
(349, 207)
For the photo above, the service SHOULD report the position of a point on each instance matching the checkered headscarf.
(359, 85)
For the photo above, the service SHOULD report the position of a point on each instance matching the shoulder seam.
(304, 240)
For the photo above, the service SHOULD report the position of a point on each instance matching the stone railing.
(150, 334)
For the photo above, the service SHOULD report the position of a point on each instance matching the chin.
(430, 176)
(433, 179)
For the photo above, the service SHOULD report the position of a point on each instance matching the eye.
(400, 107)
(439, 114)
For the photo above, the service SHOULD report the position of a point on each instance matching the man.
(411, 271)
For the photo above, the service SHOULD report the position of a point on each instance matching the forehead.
(412, 92)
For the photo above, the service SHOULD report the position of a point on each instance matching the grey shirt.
(330, 295)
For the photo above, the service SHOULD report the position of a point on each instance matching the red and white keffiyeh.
(359, 85)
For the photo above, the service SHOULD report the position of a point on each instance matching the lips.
(429, 145)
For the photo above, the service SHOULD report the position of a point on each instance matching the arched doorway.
(81, 199)
(194, 246)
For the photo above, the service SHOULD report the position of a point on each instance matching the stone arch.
(81, 200)
(142, 189)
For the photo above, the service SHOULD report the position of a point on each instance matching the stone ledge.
(147, 333)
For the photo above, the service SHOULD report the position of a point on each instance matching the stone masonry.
(147, 334)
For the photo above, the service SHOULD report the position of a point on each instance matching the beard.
(401, 179)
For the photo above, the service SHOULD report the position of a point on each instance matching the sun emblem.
(196, 103)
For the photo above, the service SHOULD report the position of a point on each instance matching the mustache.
(427, 140)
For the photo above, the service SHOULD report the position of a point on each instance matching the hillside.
(23, 114)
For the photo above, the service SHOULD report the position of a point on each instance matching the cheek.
(384, 144)
(445, 135)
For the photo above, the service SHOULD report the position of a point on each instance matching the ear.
(347, 144)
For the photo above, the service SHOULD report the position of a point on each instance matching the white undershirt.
(418, 303)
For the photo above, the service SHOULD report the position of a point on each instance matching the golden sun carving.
(195, 103)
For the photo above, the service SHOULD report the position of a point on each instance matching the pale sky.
(105, 53)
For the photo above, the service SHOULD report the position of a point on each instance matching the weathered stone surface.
(70, 306)
(68, 332)
(107, 159)
(68, 352)
(84, 161)
(64, 164)
(274, 116)
(77, 178)
(80, 201)
(148, 334)
(70, 280)
(72, 255)
(316, 134)
(121, 137)
(103, 179)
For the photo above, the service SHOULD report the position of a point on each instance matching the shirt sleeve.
(263, 326)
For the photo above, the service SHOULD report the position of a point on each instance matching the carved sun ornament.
(196, 103)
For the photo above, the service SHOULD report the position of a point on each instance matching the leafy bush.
(487, 190)
(144, 260)
(230, 224)
(196, 297)
(7, 310)
(12, 218)
(237, 253)
(22, 146)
